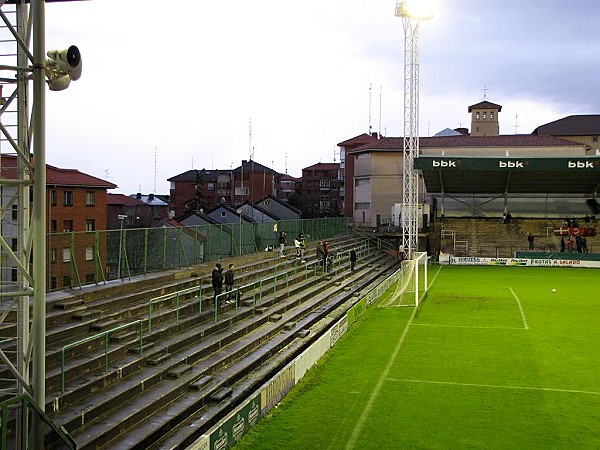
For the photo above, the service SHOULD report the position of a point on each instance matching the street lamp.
(412, 13)
(122, 218)
(240, 212)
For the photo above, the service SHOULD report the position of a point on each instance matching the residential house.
(278, 208)
(320, 190)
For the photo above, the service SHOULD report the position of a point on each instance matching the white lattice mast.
(412, 14)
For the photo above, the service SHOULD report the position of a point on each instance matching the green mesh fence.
(79, 258)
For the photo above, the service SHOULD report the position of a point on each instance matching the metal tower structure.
(23, 62)
(412, 15)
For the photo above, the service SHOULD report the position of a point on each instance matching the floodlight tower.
(412, 13)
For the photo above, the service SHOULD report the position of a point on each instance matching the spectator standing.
(297, 245)
(326, 250)
(302, 240)
(321, 253)
(530, 239)
(570, 244)
(229, 277)
(217, 280)
(282, 238)
(352, 259)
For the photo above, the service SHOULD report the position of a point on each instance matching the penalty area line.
(520, 309)
(497, 386)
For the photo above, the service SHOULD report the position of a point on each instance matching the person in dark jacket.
(321, 253)
(352, 259)
(217, 280)
(229, 277)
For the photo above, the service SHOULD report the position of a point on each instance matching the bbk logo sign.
(511, 164)
(580, 165)
(443, 164)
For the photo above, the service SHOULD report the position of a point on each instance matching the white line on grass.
(498, 386)
(520, 308)
(384, 375)
(418, 324)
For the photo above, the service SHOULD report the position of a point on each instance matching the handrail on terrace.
(26, 403)
(175, 294)
(91, 338)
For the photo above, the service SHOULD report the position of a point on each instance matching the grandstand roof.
(460, 175)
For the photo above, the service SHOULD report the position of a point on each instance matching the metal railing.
(17, 409)
(105, 335)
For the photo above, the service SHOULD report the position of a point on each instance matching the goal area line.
(495, 386)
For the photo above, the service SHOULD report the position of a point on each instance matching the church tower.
(484, 119)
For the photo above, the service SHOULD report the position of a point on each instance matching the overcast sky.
(168, 86)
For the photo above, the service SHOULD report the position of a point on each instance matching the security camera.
(62, 66)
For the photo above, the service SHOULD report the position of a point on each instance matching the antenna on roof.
(485, 89)
(286, 162)
(380, 97)
(155, 167)
(251, 149)
(370, 84)
(106, 174)
(516, 122)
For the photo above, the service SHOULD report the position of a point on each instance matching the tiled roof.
(254, 167)
(323, 166)
(56, 176)
(485, 105)
(361, 139)
(577, 125)
(517, 140)
(122, 200)
(195, 175)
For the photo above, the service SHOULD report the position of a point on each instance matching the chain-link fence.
(79, 258)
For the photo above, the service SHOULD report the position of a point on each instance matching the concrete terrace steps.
(161, 313)
(147, 381)
(492, 237)
(259, 346)
(265, 260)
(163, 336)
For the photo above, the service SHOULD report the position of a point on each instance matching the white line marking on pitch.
(384, 375)
(417, 324)
(520, 308)
(498, 386)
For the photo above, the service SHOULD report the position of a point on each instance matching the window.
(223, 214)
(362, 205)
(211, 186)
(67, 281)
(66, 254)
(324, 185)
(67, 226)
(89, 253)
(90, 225)
(53, 255)
(90, 278)
(53, 226)
(241, 190)
(53, 283)
(484, 115)
(15, 210)
(477, 115)
(53, 197)
(90, 198)
(491, 115)
(68, 198)
(594, 138)
(14, 274)
(13, 244)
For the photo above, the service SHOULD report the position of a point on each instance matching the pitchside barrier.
(530, 262)
(235, 425)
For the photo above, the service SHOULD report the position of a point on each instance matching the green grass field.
(491, 359)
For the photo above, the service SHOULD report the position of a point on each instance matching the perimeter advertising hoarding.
(501, 164)
(478, 261)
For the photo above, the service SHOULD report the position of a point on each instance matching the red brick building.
(76, 202)
(204, 190)
(320, 190)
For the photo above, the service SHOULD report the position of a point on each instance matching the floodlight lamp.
(414, 9)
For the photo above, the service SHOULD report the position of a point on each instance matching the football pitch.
(491, 359)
